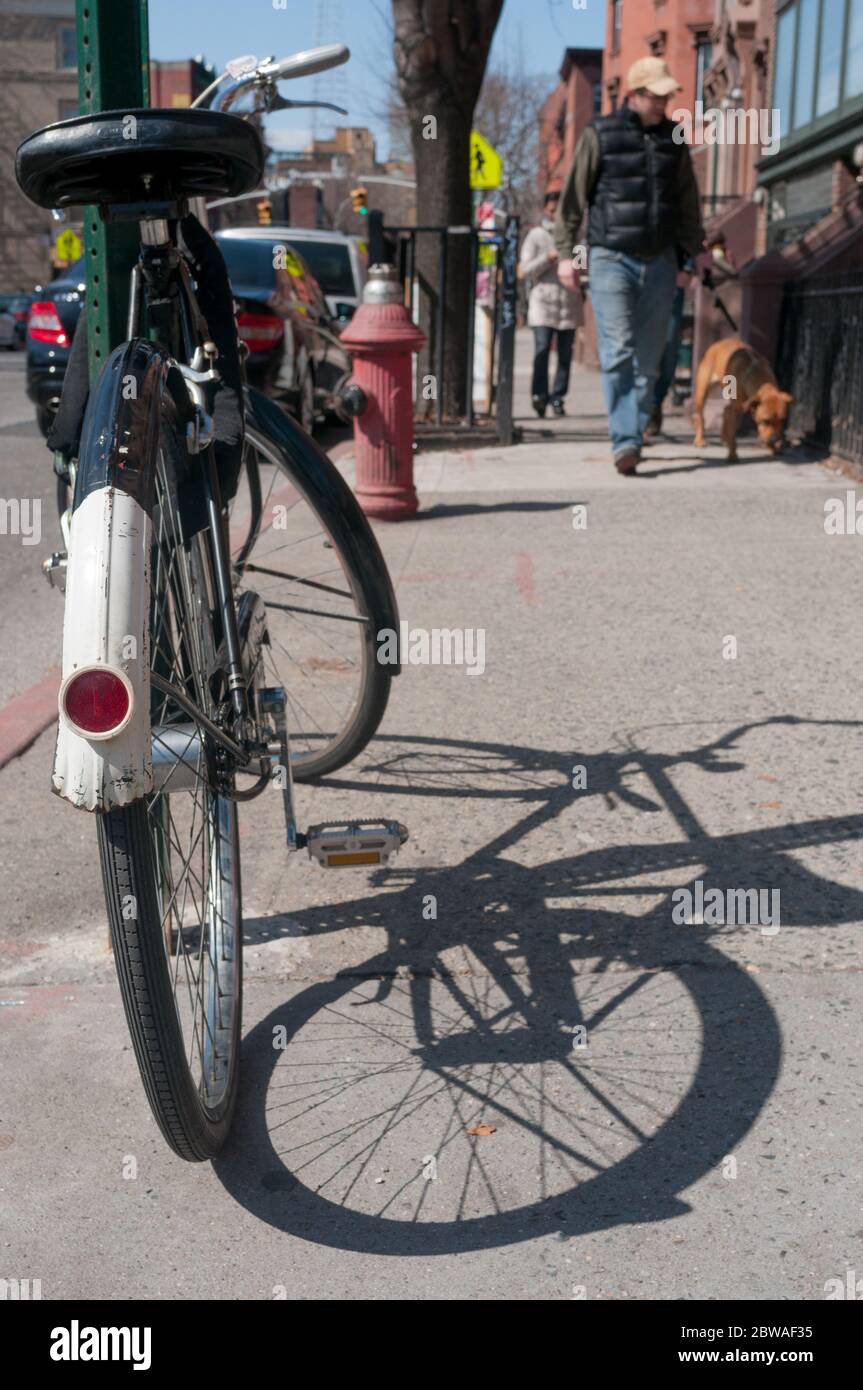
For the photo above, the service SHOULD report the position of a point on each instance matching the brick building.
(566, 111)
(343, 160)
(38, 85)
(679, 31)
(179, 83)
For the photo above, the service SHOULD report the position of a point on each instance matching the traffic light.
(359, 200)
(265, 212)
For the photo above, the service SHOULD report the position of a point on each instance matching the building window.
(819, 60)
(854, 61)
(807, 43)
(830, 58)
(703, 55)
(67, 47)
(67, 107)
(597, 98)
(616, 25)
(784, 70)
(613, 92)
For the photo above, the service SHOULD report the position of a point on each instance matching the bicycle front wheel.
(317, 566)
(171, 862)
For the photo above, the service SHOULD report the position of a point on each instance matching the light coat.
(550, 304)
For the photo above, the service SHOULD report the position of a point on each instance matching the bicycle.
(173, 693)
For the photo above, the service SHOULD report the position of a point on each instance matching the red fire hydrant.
(381, 338)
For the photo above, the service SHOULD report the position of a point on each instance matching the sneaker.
(627, 462)
(557, 407)
(539, 404)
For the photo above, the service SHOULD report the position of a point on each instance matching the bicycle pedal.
(348, 844)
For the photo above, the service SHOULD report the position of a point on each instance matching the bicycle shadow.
(439, 1042)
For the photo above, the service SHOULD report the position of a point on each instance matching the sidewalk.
(611, 755)
(558, 453)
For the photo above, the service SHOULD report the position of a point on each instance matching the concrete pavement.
(617, 749)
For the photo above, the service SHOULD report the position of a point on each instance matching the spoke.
(298, 579)
(301, 540)
(318, 613)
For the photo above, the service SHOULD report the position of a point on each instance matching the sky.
(537, 31)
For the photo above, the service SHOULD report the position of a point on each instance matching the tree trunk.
(441, 49)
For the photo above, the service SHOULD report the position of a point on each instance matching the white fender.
(106, 623)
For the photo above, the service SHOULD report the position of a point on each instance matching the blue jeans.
(632, 302)
(671, 352)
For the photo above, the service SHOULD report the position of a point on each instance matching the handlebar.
(247, 72)
(311, 60)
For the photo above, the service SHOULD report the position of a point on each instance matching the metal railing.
(820, 360)
(494, 251)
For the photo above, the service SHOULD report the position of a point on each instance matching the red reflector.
(260, 331)
(96, 701)
(44, 323)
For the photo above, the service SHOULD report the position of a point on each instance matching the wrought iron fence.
(820, 360)
(492, 252)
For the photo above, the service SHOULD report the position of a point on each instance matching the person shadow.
(522, 1058)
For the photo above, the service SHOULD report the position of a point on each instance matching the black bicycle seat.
(136, 156)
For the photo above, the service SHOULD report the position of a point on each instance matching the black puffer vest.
(634, 207)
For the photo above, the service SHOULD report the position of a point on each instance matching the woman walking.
(553, 310)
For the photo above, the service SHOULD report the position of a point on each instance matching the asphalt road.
(704, 1142)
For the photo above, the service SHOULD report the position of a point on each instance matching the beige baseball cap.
(652, 74)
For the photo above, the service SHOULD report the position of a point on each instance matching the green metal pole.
(113, 75)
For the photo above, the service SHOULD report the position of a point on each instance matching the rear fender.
(106, 621)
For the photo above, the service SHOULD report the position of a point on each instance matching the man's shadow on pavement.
(435, 1044)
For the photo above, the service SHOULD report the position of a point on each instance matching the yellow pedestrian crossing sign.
(486, 165)
(68, 246)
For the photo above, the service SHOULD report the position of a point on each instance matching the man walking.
(553, 310)
(639, 187)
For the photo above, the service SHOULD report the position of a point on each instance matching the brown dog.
(754, 388)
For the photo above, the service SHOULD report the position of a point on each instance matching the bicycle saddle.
(136, 156)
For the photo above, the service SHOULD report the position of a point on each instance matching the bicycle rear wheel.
(171, 862)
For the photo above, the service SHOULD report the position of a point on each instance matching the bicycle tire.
(135, 845)
(359, 555)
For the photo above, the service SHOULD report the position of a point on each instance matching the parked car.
(338, 263)
(284, 319)
(7, 330)
(51, 321)
(18, 305)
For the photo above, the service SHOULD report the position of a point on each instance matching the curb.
(28, 715)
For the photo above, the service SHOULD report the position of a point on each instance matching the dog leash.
(709, 284)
